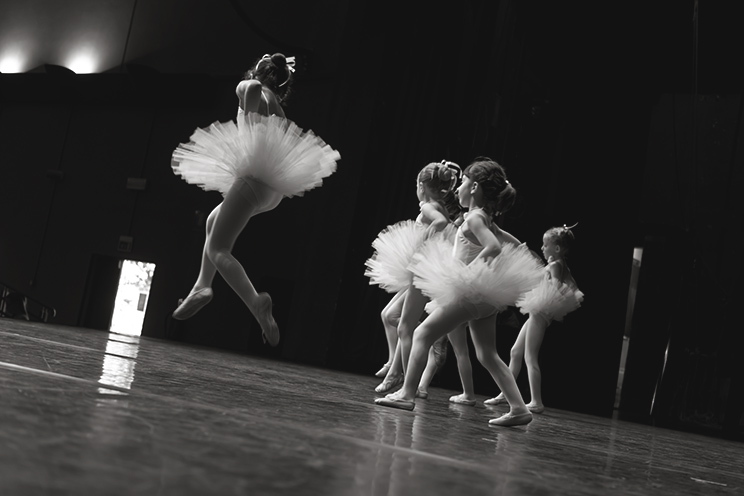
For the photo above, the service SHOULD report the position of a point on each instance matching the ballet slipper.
(498, 400)
(193, 303)
(389, 383)
(460, 399)
(396, 403)
(269, 329)
(510, 419)
(384, 370)
(422, 394)
(536, 408)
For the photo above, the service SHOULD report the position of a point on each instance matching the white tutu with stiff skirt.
(394, 249)
(272, 150)
(551, 299)
(498, 282)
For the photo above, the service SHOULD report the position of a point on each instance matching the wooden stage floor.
(87, 412)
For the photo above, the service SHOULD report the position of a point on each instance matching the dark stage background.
(624, 118)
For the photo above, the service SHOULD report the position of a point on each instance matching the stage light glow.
(10, 64)
(82, 63)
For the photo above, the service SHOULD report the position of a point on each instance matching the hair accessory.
(568, 228)
(291, 67)
(453, 166)
(456, 175)
(291, 64)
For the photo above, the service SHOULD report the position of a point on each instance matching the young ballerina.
(254, 163)
(396, 244)
(485, 271)
(556, 296)
(435, 186)
(389, 268)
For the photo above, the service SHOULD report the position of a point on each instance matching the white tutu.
(272, 150)
(394, 249)
(498, 282)
(551, 299)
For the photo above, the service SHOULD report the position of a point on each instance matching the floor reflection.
(119, 363)
(393, 465)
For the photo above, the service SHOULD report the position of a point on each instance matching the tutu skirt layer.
(498, 282)
(550, 299)
(394, 248)
(271, 150)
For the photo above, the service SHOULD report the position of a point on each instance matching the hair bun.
(279, 60)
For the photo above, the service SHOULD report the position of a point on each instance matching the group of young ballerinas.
(457, 270)
(451, 269)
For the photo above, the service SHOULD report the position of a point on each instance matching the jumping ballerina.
(254, 162)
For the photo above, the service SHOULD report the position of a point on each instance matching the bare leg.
(517, 352)
(243, 200)
(201, 293)
(515, 363)
(536, 326)
(413, 306)
(427, 375)
(390, 318)
(207, 269)
(459, 340)
(482, 331)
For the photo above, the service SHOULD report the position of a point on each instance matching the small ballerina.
(556, 296)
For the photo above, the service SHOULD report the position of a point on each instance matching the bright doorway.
(132, 295)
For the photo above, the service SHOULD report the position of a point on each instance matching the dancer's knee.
(389, 318)
(489, 359)
(516, 353)
(219, 257)
(482, 355)
(404, 331)
(422, 337)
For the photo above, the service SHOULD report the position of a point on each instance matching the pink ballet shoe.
(459, 399)
(510, 420)
(389, 383)
(396, 403)
(269, 329)
(422, 394)
(193, 303)
(498, 400)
